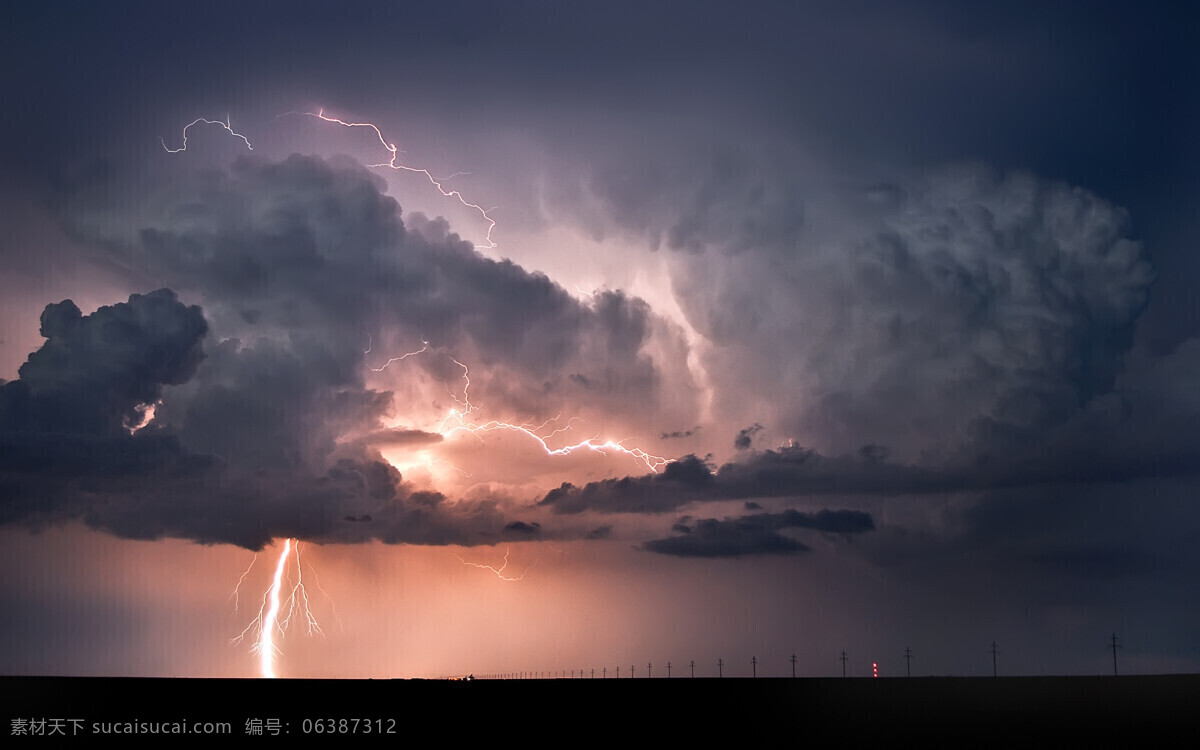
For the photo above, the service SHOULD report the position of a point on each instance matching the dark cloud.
(148, 485)
(314, 253)
(745, 437)
(66, 422)
(956, 310)
(272, 405)
(94, 373)
(268, 427)
(756, 534)
(873, 453)
(522, 529)
(679, 482)
(394, 436)
(956, 338)
(1107, 443)
(787, 472)
(679, 434)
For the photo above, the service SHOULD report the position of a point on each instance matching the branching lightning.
(498, 571)
(276, 612)
(280, 609)
(456, 420)
(393, 163)
(236, 595)
(225, 124)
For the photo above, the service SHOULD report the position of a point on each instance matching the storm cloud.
(316, 252)
(756, 534)
(959, 310)
(75, 448)
(260, 419)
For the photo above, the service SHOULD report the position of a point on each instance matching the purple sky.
(800, 328)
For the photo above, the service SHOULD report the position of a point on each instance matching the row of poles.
(1114, 644)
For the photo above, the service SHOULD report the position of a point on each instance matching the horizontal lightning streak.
(456, 421)
(498, 571)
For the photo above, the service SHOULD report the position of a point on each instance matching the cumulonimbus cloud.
(261, 422)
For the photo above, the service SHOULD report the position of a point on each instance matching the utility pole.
(994, 652)
(793, 666)
(693, 665)
(604, 673)
(720, 668)
(908, 660)
(1115, 646)
(668, 670)
(631, 672)
(618, 672)
(754, 666)
(843, 658)
(649, 674)
(593, 673)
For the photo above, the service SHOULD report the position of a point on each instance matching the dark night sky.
(905, 293)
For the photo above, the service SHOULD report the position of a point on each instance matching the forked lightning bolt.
(277, 612)
(393, 163)
(197, 121)
(498, 571)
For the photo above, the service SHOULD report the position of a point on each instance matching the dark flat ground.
(1163, 710)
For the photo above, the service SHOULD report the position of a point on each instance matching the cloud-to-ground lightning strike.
(266, 647)
(498, 571)
(392, 163)
(272, 618)
(276, 612)
(225, 124)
